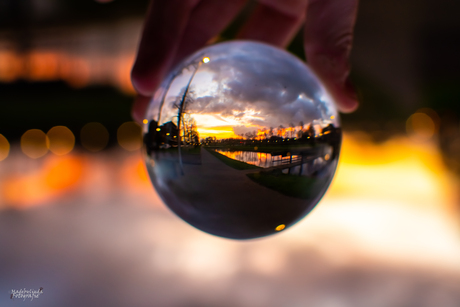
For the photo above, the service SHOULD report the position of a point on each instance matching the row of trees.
(290, 132)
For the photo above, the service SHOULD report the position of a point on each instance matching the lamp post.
(181, 108)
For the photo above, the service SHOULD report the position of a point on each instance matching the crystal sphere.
(241, 140)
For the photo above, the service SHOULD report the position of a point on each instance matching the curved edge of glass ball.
(241, 140)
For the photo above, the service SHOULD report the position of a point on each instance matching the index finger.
(163, 29)
(328, 41)
(173, 30)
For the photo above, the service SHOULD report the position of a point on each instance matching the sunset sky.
(244, 89)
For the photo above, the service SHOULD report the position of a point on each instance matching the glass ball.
(241, 140)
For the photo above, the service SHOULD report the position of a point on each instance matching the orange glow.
(397, 169)
(134, 179)
(61, 174)
(145, 121)
(42, 65)
(4, 148)
(11, 66)
(220, 132)
(34, 143)
(61, 140)
(261, 134)
(280, 227)
(129, 136)
(262, 156)
(124, 74)
(57, 176)
(77, 72)
(77, 69)
(134, 173)
(231, 154)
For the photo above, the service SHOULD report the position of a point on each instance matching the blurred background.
(78, 215)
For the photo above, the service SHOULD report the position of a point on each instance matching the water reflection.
(241, 138)
(303, 163)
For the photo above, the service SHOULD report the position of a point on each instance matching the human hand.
(176, 28)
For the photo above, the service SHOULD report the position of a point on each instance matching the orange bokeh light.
(11, 66)
(42, 66)
(421, 126)
(34, 143)
(4, 148)
(129, 136)
(61, 140)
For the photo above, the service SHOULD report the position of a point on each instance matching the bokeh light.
(43, 65)
(280, 227)
(94, 136)
(34, 143)
(61, 140)
(10, 66)
(129, 136)
(421, 126)
(4, 148)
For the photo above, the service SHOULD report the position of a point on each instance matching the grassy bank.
(290, 185)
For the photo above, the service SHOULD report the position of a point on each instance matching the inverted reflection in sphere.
(241, 140)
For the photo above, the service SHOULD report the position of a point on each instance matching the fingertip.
(140, 108)
(347, 105)
(334, 73)
(143, 82)
(343, 93)
(350, 101)
(345, 96)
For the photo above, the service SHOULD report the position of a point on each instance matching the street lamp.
(181, 107)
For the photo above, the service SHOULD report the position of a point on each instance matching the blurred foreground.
(91, 231)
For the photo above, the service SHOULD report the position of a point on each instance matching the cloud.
(257, 85)
(257, 79)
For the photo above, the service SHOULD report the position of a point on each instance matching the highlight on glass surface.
(241, 140)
